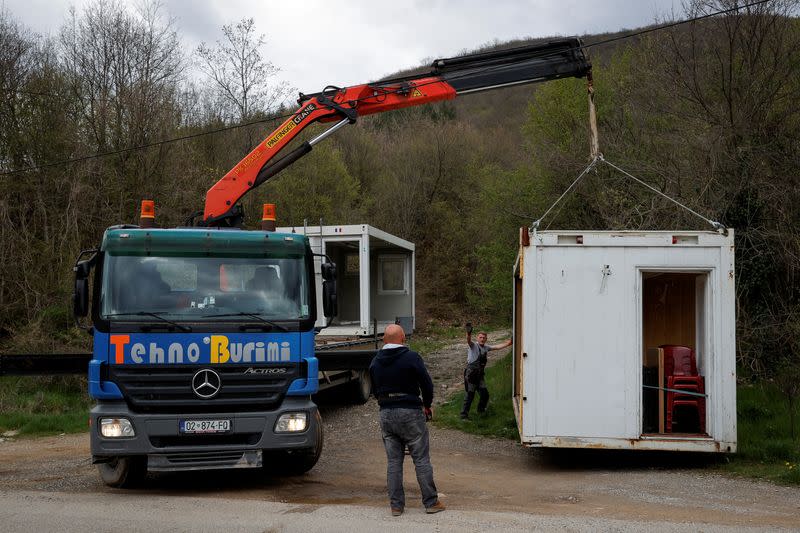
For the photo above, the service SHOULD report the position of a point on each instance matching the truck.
(204, 350)
(597, 316)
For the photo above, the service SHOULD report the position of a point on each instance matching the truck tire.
(361, 387)
(296, 462)
(123, 472)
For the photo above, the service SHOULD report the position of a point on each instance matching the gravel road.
(49, 484)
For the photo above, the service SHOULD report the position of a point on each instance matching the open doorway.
(674, 353)
(348, 285)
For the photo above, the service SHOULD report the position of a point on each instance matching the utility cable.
(236, 126)
(666, 26)
(147, 145)
(589, 45)
(677, 23)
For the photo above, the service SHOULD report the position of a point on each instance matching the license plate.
(205, 426)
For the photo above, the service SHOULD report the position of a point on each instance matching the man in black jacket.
(399, 377)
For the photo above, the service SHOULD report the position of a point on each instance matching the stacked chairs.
(680, 369)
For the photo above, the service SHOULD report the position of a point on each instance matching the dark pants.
(473, 381)
(401, 428)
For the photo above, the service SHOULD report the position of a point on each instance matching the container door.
(517, 326)
(584, 330)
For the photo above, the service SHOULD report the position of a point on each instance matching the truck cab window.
(195, 288)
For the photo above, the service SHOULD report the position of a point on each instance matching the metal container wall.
(578, 334)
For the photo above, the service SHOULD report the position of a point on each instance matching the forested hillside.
(707, 112)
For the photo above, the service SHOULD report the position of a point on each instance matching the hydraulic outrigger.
(447, 79)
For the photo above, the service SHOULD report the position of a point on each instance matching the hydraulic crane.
(447, 79)
(204, 352)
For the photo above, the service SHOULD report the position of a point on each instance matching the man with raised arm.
(477, 357)
(399, 378)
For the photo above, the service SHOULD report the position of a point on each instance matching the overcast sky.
(344, 42)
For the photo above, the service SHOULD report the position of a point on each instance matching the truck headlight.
(291, 423)
(116, 427)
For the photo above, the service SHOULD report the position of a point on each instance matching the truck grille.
(174, 441)
(168, 388)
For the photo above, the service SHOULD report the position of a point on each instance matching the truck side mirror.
(330, 305)
(329, 271)
(80, 294)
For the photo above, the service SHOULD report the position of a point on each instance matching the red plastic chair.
(680, 367)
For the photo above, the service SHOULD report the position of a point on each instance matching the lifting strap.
(586, 170)
(594, 140)
(600, 159)
(716, 225)
(594, 147)
(597, 157)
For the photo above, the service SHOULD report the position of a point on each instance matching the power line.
(148, 145)
(211, 132)
(664, 26)
(393, 91)
(677, 23)
(31, 93)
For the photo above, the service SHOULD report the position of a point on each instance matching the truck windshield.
(198, 288)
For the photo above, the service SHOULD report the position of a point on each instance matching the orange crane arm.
(448, 79)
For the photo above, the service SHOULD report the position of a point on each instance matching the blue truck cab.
(203, 352)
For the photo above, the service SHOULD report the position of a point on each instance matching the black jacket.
(399, 377)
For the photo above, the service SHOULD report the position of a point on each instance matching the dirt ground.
(472, 474)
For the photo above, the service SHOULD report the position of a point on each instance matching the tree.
(124, 69)
(238, 73)
(738, 77)
(706, 113)
(316, 187)
(108, 82)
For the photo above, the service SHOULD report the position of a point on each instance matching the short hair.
(482, 333)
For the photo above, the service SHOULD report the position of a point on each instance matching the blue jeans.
(401, 428)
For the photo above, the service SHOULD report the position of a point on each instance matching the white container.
(589, 305)
(375, 277)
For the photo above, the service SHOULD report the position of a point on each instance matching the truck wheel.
(296, 462)
(123, 472)
(361, 387)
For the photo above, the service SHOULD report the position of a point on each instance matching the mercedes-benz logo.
(206, 383)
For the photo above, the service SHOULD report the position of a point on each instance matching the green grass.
(37, 406)
(434, 337)
(766, 448)
(498, 420)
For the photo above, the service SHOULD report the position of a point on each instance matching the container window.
(392, 274)
(684, 239)
(351, 265)
(570, 239)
